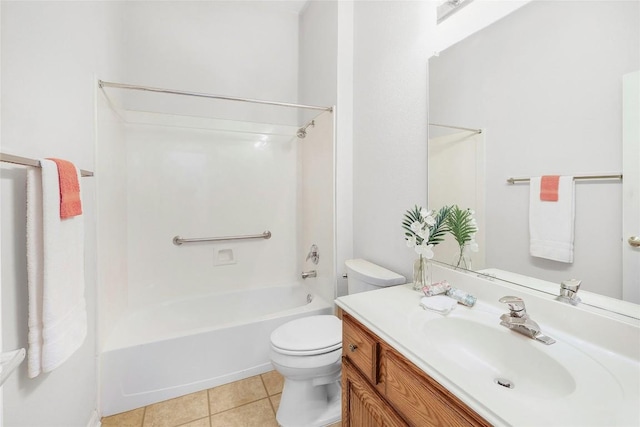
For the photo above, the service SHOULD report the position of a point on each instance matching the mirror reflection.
(540, 92)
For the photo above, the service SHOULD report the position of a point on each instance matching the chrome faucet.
(569, 291)
(310, 273)
(518, 320)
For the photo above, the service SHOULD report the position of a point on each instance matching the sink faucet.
(518, 320)
(569, 291)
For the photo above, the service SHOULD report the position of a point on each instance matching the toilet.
(307, 352)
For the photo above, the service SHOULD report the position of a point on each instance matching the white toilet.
(307, 352)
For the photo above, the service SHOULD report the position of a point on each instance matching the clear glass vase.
(462, 260)
(421, 273)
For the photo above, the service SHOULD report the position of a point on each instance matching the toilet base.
(305, 405)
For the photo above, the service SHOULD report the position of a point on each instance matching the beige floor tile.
(275, 401)
(338, 424)
(125, 419)
(273, 381)
(256, 414)
(202, 422)
(177, 411)
(236, 394)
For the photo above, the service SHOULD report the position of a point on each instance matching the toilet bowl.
(307, 352)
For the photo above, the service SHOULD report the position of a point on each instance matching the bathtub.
(193, 344)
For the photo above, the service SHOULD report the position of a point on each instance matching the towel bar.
(25, 161)
(580, 177)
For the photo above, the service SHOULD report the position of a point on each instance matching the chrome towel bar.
(180, 240)
(579, 177)
(25, 161)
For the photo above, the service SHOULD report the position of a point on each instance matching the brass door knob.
(634, 241)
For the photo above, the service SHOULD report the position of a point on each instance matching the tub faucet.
(310, 273)
(518, 320)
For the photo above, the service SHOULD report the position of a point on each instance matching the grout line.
(197, 419)
(144, 414)
(273, 408)
(266, 390)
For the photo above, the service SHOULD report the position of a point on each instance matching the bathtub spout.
(307, 274)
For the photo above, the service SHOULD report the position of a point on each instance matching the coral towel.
(549, 188)
(551, 225)
(55, 268)
(70, 203)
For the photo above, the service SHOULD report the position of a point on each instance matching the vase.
(421, 273)
(462, 260)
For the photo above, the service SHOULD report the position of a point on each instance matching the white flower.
(416, 226)
(430, 220)
(425, 250)
(424, 233)
(411, 241)
(425, 212)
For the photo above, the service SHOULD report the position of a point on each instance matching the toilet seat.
(308, 336)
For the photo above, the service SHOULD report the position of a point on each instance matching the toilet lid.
(308, 335)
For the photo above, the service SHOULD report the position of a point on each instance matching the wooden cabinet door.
(422, 401)
(361, 404)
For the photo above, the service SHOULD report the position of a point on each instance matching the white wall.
(242, 49)
(51, 52)
(390, 133)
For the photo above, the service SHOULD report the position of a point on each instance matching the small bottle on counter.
(436, 288)
(461, 296)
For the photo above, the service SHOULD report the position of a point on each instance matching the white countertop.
(606, 390)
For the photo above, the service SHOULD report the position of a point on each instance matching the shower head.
(302, 132)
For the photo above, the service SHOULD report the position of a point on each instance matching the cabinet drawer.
(360, 348)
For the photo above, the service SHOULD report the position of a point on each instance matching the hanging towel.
(549, 188)
(55, 268)
(551, 223)
(70, 203)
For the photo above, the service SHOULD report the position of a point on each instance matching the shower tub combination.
(184, 346)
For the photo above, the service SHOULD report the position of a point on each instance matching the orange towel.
(549, 188)
(70, 203)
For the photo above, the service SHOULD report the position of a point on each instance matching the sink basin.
(512, 363)
(502, 357)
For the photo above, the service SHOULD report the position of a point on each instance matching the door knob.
(634, 241)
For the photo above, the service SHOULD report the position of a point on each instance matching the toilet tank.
(363, 275)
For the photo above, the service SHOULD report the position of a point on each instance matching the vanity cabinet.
(380, 387)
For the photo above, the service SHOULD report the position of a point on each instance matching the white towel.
(438, 303)
(55, 268)
(551, 224)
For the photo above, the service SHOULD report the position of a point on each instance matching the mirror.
(545, 86)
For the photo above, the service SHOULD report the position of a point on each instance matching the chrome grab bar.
(180, 240)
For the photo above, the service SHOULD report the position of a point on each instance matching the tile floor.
(245, 403)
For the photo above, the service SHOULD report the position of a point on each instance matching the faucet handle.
(569, 291)
(516, 305)
(571, 286)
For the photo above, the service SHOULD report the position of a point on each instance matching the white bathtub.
(193, 344)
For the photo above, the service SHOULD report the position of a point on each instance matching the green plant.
(463, 227)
